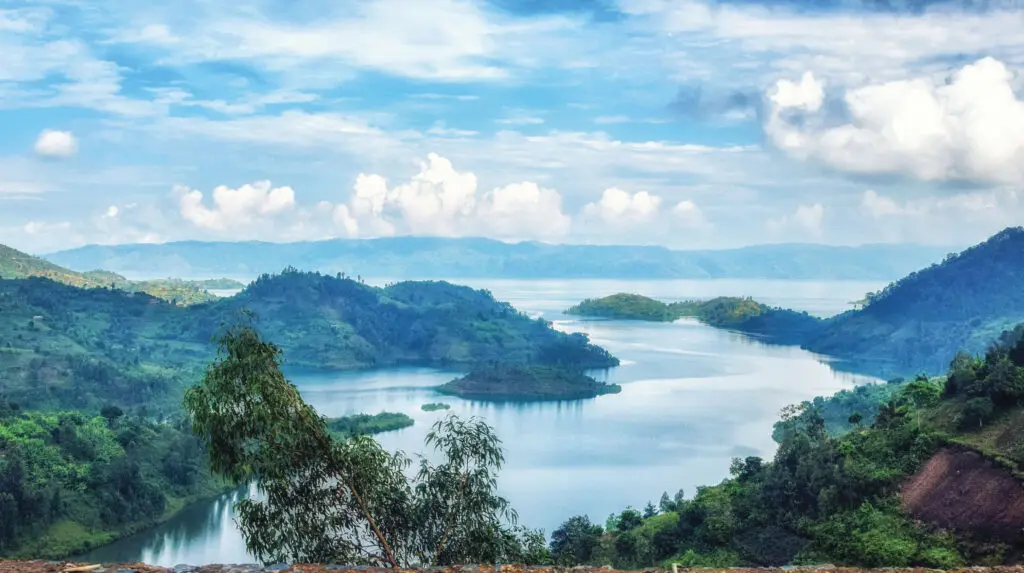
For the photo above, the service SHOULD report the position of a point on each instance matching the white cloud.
(53, 143)
(969, 128)
(689, 213)
(617, 206)
(804, 222)
(440, 200)
(112, 212)
(235, 208)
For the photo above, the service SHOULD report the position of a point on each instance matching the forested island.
(526, 382)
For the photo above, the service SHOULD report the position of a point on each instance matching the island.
(367, 424)
(435, 406)
(523, 382)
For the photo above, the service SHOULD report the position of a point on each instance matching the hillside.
(915, 324)
(18, 265)
(433, 257)
(65, 347)
(933, 481)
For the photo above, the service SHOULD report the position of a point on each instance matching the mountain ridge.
(439, 257)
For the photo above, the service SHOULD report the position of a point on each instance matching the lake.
(692, 398)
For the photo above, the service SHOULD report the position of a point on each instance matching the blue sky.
(685, 123)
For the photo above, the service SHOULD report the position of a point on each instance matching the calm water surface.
(692, 398)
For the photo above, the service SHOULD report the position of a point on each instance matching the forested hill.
(65, 347)
(918, 322)
(450, 258)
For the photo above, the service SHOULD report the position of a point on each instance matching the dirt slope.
(961, 490)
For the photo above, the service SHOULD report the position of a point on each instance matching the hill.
(916, 323)
(15, 264)
(433, 257)
(64, 347)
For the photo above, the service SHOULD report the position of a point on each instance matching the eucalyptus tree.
(346, 500)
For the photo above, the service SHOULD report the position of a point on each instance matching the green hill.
(15, 264)
(65, 347)
(520, 382)
(916, 323)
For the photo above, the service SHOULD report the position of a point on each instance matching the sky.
(684, 123)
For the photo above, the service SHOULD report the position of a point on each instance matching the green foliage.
(96, 477)
(526, 382)
(576, 541)
(915, 324)
(330, 499)
(627, 307)
(366, 424)
(435, 406)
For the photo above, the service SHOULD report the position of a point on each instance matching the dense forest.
(69, 348)
(830, 495)
(526, 382)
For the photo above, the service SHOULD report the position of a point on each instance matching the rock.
(182, 568)
(278, 567)
(123, 571)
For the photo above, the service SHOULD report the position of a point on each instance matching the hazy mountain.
(431, 257)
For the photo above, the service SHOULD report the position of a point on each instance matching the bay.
(693, 398)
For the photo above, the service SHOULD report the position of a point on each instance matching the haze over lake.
(693, 397)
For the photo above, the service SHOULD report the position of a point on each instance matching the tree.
(629, 519)
(337, 500)
(665, 503)
(650, 511)
(855, 418)
(976, 412)
(111, 413)
(575, 541)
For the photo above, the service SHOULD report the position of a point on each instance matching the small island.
(367, 424)
(523, 382)
(435, 406)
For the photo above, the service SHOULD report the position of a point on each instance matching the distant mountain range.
(453, 258)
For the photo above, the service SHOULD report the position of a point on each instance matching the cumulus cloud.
(617, 205)
(805, 221)
(235, 208)
(53, 143)
(441, 200)
(969, 128)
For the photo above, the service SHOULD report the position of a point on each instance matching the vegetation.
(909, 327)
(526, 382)
(736, 313)
(366, 424)
(345, 500)
(218, 284)
(70, 481)
(17, 265)
(68, 348)
(626, 307)
(435, 406)
(831, 492)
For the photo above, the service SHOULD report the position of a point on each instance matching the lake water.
(692, 398)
